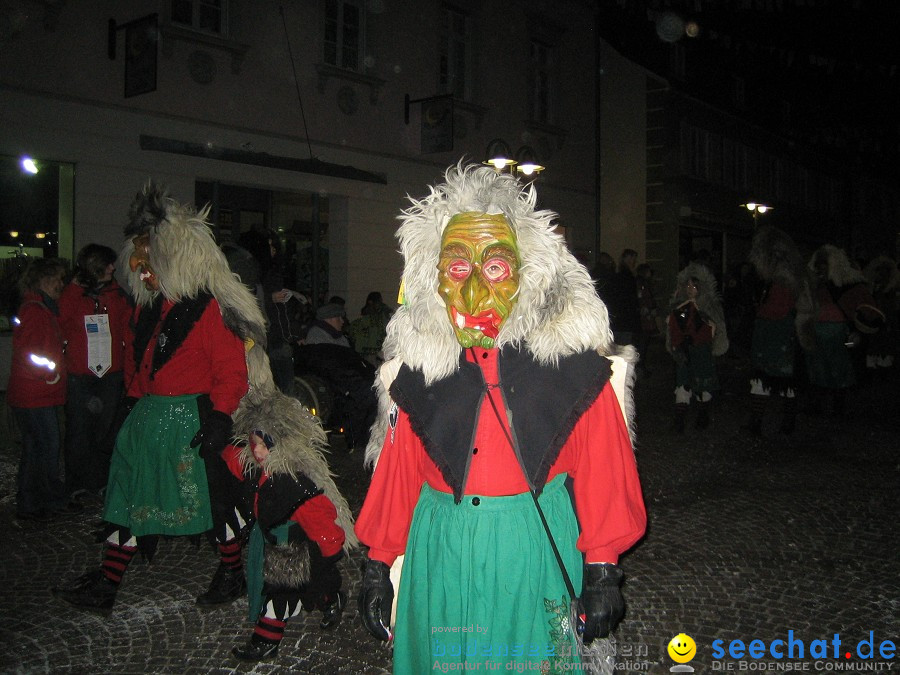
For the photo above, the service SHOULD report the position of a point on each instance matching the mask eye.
(459, 269)
(496, 269)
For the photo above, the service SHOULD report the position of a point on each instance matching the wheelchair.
(336, 384)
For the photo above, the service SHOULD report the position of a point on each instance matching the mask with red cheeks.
(478, 276)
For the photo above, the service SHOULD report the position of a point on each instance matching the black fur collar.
(544, 403)
(175, 328)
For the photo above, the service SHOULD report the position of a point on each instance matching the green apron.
(481, 584)
(255, 565)
(157, 482)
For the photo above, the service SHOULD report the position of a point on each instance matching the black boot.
(90, 591)
(227, 586)
(256, 650)
(757, 407)
(332, 611)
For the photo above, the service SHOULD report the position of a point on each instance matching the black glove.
(376, 595)
(601, 601)
(214, 434)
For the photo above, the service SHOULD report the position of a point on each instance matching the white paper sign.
(99, 343)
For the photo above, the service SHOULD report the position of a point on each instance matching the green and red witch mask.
(478, 275)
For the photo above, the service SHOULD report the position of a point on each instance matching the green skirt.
(698, 373)
(157, 482)
(829, 364)
(480, 583)
(772, 346)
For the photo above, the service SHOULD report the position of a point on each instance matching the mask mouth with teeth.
(140, 260)
(478, 276)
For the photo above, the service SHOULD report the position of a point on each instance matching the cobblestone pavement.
(748, 539)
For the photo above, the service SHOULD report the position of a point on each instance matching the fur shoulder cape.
(557, 313)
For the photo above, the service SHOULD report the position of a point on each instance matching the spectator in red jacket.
(93, 314)
(37, 387)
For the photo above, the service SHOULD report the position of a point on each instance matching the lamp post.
(756, 209)
(525, 165)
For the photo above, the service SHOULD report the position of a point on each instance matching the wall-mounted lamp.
(500, 157)
(13, 233)
(527, 161)
(40, 235)
(29, 165)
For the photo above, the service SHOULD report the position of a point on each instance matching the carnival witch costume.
(695, 335)
(501, 393)
(302, 523)
(783, 322)
(198, 354)
(844, 306)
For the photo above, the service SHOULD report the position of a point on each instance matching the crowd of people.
(494, 412)
(810, 326)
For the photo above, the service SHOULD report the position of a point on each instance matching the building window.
(344, 34)
(455, 57)
(209, 16)
(542, 61)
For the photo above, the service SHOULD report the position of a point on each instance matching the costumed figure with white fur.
(302, 523)
(501, 393)
(198, 339)
(695, 335)
(783, 325)
(845, 311)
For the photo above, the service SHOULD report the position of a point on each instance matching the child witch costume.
(501, 394)
(695, 335)
(302, 523)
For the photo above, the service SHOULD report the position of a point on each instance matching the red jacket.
(74, 305)
(597, 456)
(210, 361)
(36, 337)
(317, 516)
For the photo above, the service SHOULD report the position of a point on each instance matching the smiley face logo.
(682, 648)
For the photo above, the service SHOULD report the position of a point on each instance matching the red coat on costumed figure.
(501, 393)
(783, 324)
(695, 335)
(845, 310)
(198, 358)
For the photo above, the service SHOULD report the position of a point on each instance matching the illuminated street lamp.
(757, 209)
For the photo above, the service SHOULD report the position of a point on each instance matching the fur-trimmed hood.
(883, 275)
(777, 259)
(299, 447)
(708, 301)
(557, 312)
(840, 271)
(187, 261)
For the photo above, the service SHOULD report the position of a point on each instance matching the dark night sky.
(835, 62)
